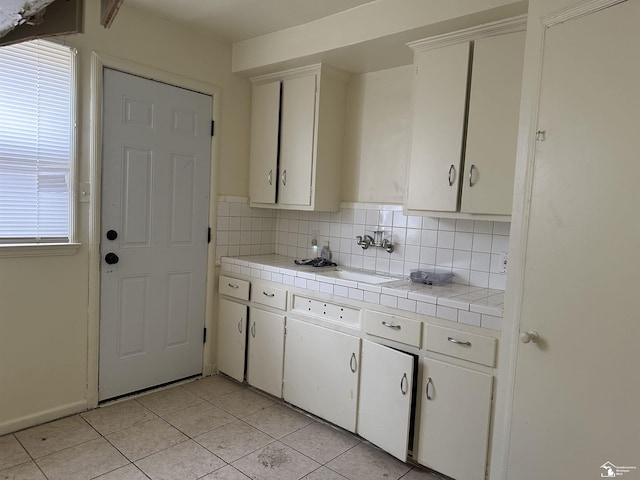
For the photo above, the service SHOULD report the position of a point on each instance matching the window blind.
(36, 135)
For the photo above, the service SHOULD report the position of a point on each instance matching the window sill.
(38, 249)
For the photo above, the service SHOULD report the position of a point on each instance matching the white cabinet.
(384, 407)
(265, 351)
(492, 125)
(454, 417)
(232, 324)
(265, 128)
(438, 126)
(467, 102)
(321, 372)
(297, 124)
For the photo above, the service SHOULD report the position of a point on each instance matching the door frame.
(100, 61)
(537, 25)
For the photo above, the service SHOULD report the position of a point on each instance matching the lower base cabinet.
(232, 338)
(454, 417)
(265, 352)
(386, 391)
(321, 369)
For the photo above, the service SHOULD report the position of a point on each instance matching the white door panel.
(155, 195)
(321, 372)
(574, 407)
(265, 126)
(384, 408)
(297, 132)
(232, 338)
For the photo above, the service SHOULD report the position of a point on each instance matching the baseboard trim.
(42, 417)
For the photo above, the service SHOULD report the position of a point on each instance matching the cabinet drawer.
(233, 287)
(272, 297)
(456, 343)
(393, 327)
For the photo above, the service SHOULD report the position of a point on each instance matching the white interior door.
(155, 206)
(575, 402)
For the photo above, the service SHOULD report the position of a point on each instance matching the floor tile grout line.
(232, 418)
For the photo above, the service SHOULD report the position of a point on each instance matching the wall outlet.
(504, 258)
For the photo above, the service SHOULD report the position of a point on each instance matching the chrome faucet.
(367, 241)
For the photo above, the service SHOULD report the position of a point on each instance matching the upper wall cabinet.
(297, 125)
(465, 124)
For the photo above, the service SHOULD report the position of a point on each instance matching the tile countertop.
(477, 306)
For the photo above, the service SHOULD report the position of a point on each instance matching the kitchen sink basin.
(362, 277)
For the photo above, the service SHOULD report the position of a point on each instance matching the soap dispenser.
(325, 253)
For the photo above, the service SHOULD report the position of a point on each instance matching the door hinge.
(213, 127)
(204, 335)
(209, 235)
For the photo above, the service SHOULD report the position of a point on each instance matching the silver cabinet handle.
(270, 177)
(353, 363)
(240, 325)
(233, 286)
(473, 167)
(458, 342)
(270, 295)
(253, 330)
(404, 384)
(391, 325)
(429, 388)
(284, 178)
(452, 170)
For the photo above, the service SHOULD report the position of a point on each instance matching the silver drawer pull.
(269, 177)
(240, 325)
(429, 389)
(404, 384)
(391, 325)
(233, 286)
(473, 167)
(253, 330)
(458, 342)
(452, 170)
(270, 295)
(353, 363)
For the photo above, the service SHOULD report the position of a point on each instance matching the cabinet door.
(232, 323)
(453, 431)
(492, 127)
(297, 127)
(321, 372)
(265, 123)
(384, 406)
(266, 351)
(438, 128)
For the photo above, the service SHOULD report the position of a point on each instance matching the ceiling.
(234, 20)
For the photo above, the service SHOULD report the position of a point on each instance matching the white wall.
(380, 24)
(377, 136)
(44, 300)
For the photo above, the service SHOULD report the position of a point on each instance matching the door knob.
(532, 336)
(112, 235)
(111, 258)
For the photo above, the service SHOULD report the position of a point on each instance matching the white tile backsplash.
(468, 248)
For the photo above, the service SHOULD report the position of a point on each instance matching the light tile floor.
(210, 429)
